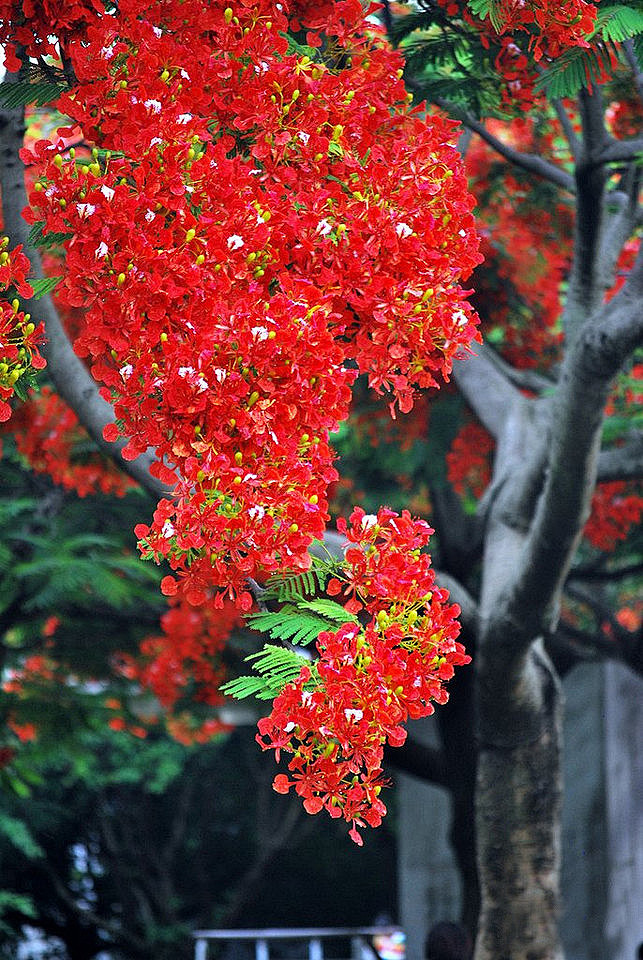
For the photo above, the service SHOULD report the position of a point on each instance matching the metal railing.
(313, 936)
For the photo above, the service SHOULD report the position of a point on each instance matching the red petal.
(110, 432)
(281, 783)
(313, 804)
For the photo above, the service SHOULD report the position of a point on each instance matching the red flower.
(369, 679)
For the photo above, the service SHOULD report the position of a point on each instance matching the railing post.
(261, 950)
(315, 949)
(201, 950)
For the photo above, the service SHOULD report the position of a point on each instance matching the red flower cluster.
(184, 661)
(34, 25)
(624, 264)
(371, 675)
(49, 436)
(529, 31)
(244, 242)
(527, 249)
(20, 339)
(469, 460)
(183, 665)
(616, 509)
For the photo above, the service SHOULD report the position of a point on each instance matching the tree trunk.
(518, 813)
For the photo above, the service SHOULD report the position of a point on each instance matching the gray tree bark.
(548, 453)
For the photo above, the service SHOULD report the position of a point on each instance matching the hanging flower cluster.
(372, 674)
(526, 32)
(255, 225)
(35, 24)
(184, 661)
(527, 249)
(20, 338)
(183, 666)
(49, 436)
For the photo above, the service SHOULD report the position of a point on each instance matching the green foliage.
(301, 49)
(89, 567)
(488, 8)
(306, 584)
(626, 416)
(21, 94)
(300, 622)
(575, 68)
(50, 240)
(61, 557)
(447, 62)
(582, 67)
(17, 833)
(12, 903)
(276, 667)
(27, 382)
(44, 285)
(619, 22)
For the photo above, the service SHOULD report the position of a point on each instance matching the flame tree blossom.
(372, 674)
(243, 246)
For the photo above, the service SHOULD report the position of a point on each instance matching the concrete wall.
(429, 886)
(624, 782)
(602, 876)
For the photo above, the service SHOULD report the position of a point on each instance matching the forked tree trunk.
(518, 814)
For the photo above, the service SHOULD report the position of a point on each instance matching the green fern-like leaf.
(488, 8)
(294, 588)
(429, 52)
(39, 239)
(575, 68)
(289, 624)
(14, 95)
(275, 666)
(44, 285)
(328, 609)
(618, 23)
(307, 584)
(581, 66)
(84, 569)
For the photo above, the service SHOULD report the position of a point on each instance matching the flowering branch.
(71, 377)
(622, 463)
(603, 345)
(526, 161)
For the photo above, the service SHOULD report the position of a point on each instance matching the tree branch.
(526, 161)
(486, 389)
(567, 127)
(621, 151)
(522, 379)
(621, 212)
(622, 463)
(602, 346)
(630, 55)
(419, 760)
(607, 575)
(585, 292)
